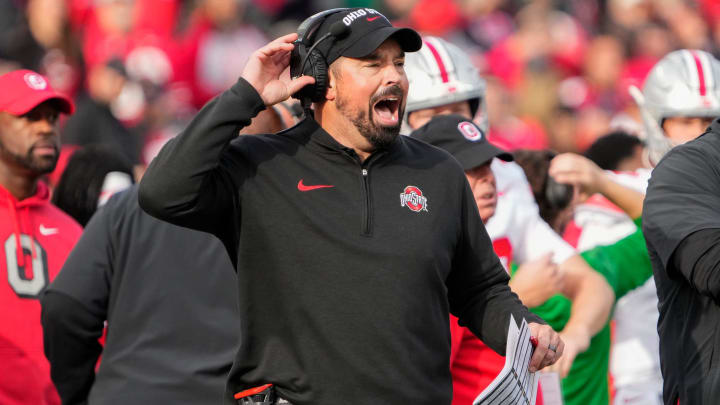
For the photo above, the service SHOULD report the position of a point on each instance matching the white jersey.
(517, 231)
(635, 354)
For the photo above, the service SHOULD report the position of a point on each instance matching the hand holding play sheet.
(515, 384)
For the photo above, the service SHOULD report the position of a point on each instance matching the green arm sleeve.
(624, 264)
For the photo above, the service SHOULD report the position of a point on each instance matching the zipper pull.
(364, 172)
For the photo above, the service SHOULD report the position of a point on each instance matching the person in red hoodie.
(35, 236)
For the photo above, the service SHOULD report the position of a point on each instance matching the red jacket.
(35, 239)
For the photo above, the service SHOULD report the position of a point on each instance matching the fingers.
(543, 356)
(283, 40)
(569, 168)
(554, 368)
(562, 366)
(274, 50)
(543, 338)
(298, 83)
(559, 350)
(278, 49)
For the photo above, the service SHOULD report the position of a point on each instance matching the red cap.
(23, 90)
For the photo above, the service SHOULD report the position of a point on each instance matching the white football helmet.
(441, 73)
(684, 83)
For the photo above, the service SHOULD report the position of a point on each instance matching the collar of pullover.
(322, 141)
(41, 197)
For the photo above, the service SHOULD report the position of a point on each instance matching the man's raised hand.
(267, 71)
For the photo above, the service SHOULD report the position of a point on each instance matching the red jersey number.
(26, 283)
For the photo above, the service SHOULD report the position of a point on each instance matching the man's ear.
(331, 92)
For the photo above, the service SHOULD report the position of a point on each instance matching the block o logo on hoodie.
(413, 198)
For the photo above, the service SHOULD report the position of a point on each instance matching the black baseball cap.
(366, 29)
(462, 138)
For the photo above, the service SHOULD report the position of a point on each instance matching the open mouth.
(386, 110)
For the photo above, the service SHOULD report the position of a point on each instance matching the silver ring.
(552, 347)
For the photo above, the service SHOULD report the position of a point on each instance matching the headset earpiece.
(316, 65)
(558, 195)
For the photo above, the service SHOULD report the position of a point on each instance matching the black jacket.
(346, 289)
(681, 224)
(169, 297)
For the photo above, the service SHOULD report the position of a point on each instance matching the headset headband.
(307, 28)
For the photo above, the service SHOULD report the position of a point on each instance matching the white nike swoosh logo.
(47, 231)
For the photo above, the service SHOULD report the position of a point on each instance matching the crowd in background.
(557, 71)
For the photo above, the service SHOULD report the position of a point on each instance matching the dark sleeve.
(70, 334)
(191, 182)
(478, 291)
(75, 305)
(683, 196)
(697, 258)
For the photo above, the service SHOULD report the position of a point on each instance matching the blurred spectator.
(507, 130)
(36, 235)
(487, 23)
(92, 175)
(617, 151)
(114, 28)
(217, 45)
(604, 60)
(529, 44)
(592, 122)
(94, 122)
(627, 15)
(434, 17)
(17, 44)
(689, 28)
(41, 39)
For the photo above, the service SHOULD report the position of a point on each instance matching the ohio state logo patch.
(413, 198)
(35, 81)
(469, 131)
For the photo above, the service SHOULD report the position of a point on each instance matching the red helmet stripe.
(700, 71)
(438, 60)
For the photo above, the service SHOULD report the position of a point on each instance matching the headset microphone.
(338, 30)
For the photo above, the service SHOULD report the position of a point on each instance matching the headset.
(558, 195)
(304, 52)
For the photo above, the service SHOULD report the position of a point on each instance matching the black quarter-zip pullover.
(347, 270)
